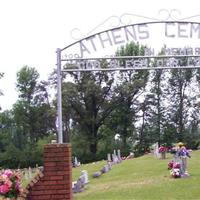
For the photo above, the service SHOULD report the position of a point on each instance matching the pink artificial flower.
(8, 182)
(4, 188)
(162, 149)
(176, 166)
(170, 164)
(8, 173)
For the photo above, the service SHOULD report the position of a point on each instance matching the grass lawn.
(141, 178)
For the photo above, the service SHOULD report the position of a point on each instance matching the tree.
(32, 113)
(158, 96)
(26, 127)
(193, 130)
(128, 90)
(6, 124)
(146, 131)
(180, 100)
(89, 100)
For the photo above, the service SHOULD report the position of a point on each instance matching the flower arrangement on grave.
(10, 184)
(175, 169)
(162, 150)
(170, 164)
(175, 173)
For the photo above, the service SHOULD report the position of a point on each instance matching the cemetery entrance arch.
(79, 55)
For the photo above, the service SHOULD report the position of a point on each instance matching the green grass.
(143, 178)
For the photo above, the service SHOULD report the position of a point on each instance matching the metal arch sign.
(80, 53)
(134, 32)
(121, 63)
(87, 47)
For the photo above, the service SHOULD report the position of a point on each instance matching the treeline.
(102, 111)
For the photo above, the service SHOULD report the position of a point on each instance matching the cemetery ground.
(140, 178)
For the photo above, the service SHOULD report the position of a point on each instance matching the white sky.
(32, 30)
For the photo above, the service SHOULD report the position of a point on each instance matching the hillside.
(140, 178)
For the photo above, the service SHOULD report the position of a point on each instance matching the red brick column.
(56, 184)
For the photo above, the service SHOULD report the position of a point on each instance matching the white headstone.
(156, 150)
(96, 174)
(119, 154)
(84, 173)
(114, 158)
(75, 162)
(108, 157)
(30, 173)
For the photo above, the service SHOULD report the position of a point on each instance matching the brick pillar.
(56, 184)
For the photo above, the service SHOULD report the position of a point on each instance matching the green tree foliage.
(89, 100)
(180, 99)
(6, 124)
(128, 90)
(30, 155)
(29, 124)
(157, 111)
(146, 133)
(192, 135)
(32, 113)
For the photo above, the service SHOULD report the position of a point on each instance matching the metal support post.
(59, 97)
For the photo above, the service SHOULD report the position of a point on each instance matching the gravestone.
(30, 173)
(84, 173)
(75, 161)
(78, 186)
(119, 155)
(97, 174)
(156, 150)
(115, 159)
(109, 157)
(105, 169)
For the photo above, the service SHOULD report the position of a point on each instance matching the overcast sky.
(32, 30)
